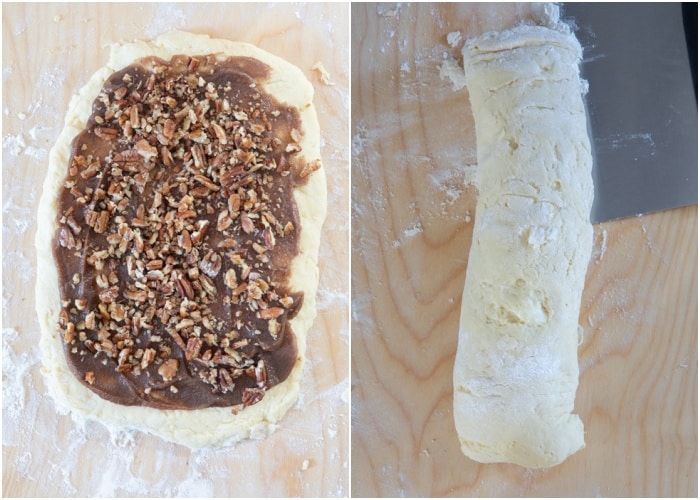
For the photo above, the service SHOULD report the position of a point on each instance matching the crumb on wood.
(323, 74)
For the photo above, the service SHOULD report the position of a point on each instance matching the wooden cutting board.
(49, 52)
(413, 154)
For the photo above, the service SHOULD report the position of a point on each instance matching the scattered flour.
(413, 230)
(387, 11)
(14, 144)
(167, 17)
(6, 73)
(453, 38)
(642, 142)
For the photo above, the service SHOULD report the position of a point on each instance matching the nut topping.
(177, 236)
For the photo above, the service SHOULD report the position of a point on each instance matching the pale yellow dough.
(212, 427)
(516, 369)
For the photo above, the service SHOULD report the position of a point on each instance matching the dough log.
(516, 370)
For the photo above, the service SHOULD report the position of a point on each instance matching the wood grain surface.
(413, 155)
(49, 52)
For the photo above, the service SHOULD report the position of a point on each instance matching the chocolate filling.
(177, 227)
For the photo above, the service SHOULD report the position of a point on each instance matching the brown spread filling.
(177, 227)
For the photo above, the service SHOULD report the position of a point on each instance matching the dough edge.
(210, 427)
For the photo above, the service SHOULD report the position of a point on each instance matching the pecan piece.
(234, 203)
(66, 238)
(184, 287)
(309, 168)
(73, 225)
(169, 128)
(194, 344)
(145, 149)
(102, 222)
(220, 133)
(109, 295)
(200, 161)
(252, 396)
(269, 238)
(271, 313)
(230, 279)
(123, 356)
(149, 354)
(224, 221)
(198, 236)
(120, 93)
(261, 374)
(90, 320)
(184, 240)
(106, 133)
(225, 380)
(204, 180)
(177, 338)
(134, 116)
(69, 334)
(207, 285)
(168, 369)
(211, 264)
(292, 147)
(247, 224)
(136, 295)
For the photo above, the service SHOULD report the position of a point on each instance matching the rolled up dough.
(516, 370)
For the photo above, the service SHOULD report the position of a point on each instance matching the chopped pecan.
(149, 354)
(225, 380)
(184, 287)
(211, 264)
(168, 369)
(272, 312)
(220, 133)
(66, 238)
(247, 224)
(194, 344)
(106, 133)
(145, 149)
(200, 160)
(168, 128)
(102, 222)
(109, 295)
(261, 374)
(230, 279)
(252, 396)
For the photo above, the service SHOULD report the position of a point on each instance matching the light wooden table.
(49, 52)
(413, 153)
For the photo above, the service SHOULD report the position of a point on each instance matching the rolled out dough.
(211, 427)
(516, 370)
